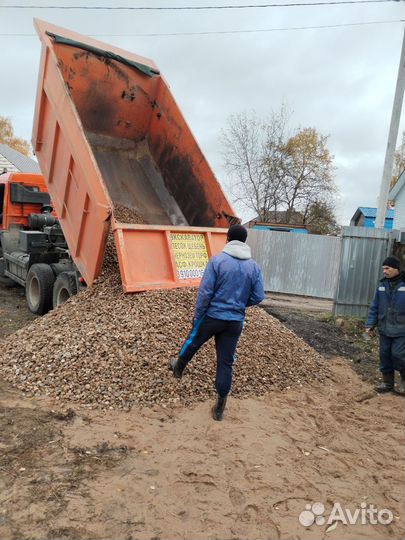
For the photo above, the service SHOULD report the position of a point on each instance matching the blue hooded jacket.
(232, 281)
(387, 310)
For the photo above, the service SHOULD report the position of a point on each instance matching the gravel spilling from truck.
(107, 349)
(124, 214)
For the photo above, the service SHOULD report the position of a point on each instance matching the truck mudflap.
(164, 257)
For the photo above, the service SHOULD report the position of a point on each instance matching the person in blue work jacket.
(232, 281)
(387, 312)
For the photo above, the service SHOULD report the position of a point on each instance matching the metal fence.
(363, 251)
(297, 264)
(345, 269)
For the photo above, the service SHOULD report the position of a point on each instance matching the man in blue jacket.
(387, 311)
(232, 281)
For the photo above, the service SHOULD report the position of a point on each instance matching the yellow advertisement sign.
(190, 254)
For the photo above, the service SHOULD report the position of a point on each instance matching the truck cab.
(33, 250)
(21, 194)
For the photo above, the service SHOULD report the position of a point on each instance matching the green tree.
(7, 137)
(321, 218)
(308, 171)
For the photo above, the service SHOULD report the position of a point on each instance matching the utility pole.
(392, 140)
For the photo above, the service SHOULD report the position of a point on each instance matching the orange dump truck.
(109, 135)
(33, 249)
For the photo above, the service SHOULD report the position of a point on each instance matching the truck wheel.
(65, 286)
(38, 288)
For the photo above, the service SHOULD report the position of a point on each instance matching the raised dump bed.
(109, 135)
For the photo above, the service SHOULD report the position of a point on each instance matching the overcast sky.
(340, 81)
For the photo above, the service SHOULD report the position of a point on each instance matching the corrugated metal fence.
(297, 264)
(345, 269)
(363, 251)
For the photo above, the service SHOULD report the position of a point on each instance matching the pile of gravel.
(107, 349)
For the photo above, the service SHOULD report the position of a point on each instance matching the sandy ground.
(298, 303)
(174, 473)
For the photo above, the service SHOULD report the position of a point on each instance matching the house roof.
(370, 212)
(21, 162)
(289, 225)
(295, 218)
(399, 184)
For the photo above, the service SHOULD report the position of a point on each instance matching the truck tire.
(65, 286)
(38, 288)
(59, 267)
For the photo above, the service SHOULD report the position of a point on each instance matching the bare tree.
(252, 157)
(272, 171)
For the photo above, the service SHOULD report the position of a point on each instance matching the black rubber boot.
(218, 408)
(400, 389)
(177, 365)
(387, 384)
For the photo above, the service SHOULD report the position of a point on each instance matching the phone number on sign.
(192, 273)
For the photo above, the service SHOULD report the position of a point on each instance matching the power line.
(191, 8)
(284, 29)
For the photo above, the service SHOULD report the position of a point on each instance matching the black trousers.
(226, 335)
(392, 353)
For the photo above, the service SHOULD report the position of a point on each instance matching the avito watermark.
(366, 514)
